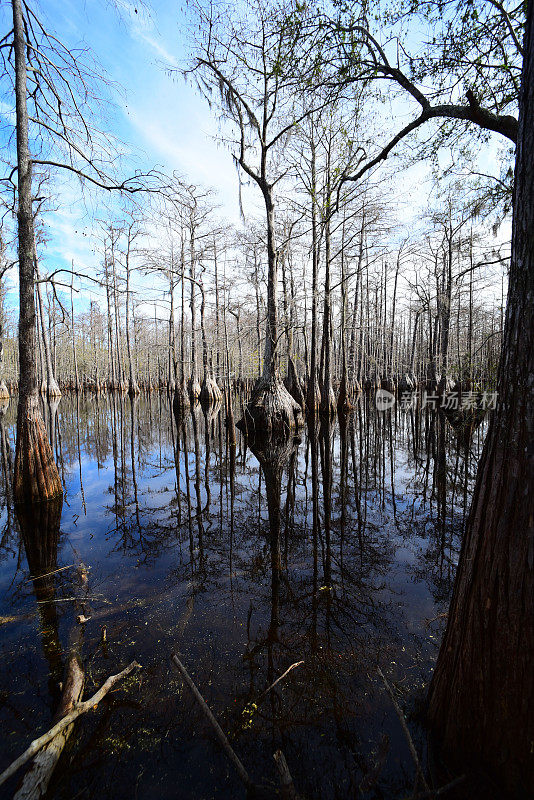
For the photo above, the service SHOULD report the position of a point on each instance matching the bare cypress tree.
(54, 89)
(36, 476)
(245, 61)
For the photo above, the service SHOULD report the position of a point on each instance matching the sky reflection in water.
(231, 571)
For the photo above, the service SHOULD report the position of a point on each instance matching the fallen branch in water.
(77, 711)
(251, 707)
(223, 741)
(409, 739)
(48, 574)
(287, 787)
(36, 780)
(437, 792)
(17, 618)
(282, 676)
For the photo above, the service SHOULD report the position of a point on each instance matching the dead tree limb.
(77, 711)
(223, 741)
(282, 676)
(36, 780)
(409, 739)
(287, 787)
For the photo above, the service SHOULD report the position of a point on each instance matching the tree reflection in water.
(337, 549)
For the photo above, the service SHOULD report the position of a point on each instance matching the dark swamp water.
(192, 548)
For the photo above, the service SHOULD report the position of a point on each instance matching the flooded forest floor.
(338, 549)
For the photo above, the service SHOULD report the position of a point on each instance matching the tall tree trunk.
(133, 386)
(52, 389)
(328, 401)
(194, 386)
(271, 407)
(258, 309)
(36, 476)
(111, 358)
(313, 397)
(352, 351)
(120, 373)
(74, 353)
(271, 355)
(210, 392)
(171, 371)
(482, 694)
(344, 403)
(445, 311)
(4, 391)
(391, 375)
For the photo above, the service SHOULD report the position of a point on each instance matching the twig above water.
(282, 676)
(48, 574)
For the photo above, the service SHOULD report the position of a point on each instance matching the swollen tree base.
(271, 409)
(52, 388)
(133, 388)
(194, 390)
(328, 402)
(210, 392)
(36, 477)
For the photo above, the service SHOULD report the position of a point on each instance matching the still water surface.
(337, 549)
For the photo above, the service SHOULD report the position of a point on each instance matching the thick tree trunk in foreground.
(36, 476)
(482, 693)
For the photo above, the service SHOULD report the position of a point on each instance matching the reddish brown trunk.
(482, 693)
(36, 476)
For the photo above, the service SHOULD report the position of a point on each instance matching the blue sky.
(160, 119)
(158, 114)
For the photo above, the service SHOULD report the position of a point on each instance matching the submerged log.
(219, 733)
(66, 721)
(35, 782)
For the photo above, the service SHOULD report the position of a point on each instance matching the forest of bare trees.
(338, 285)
